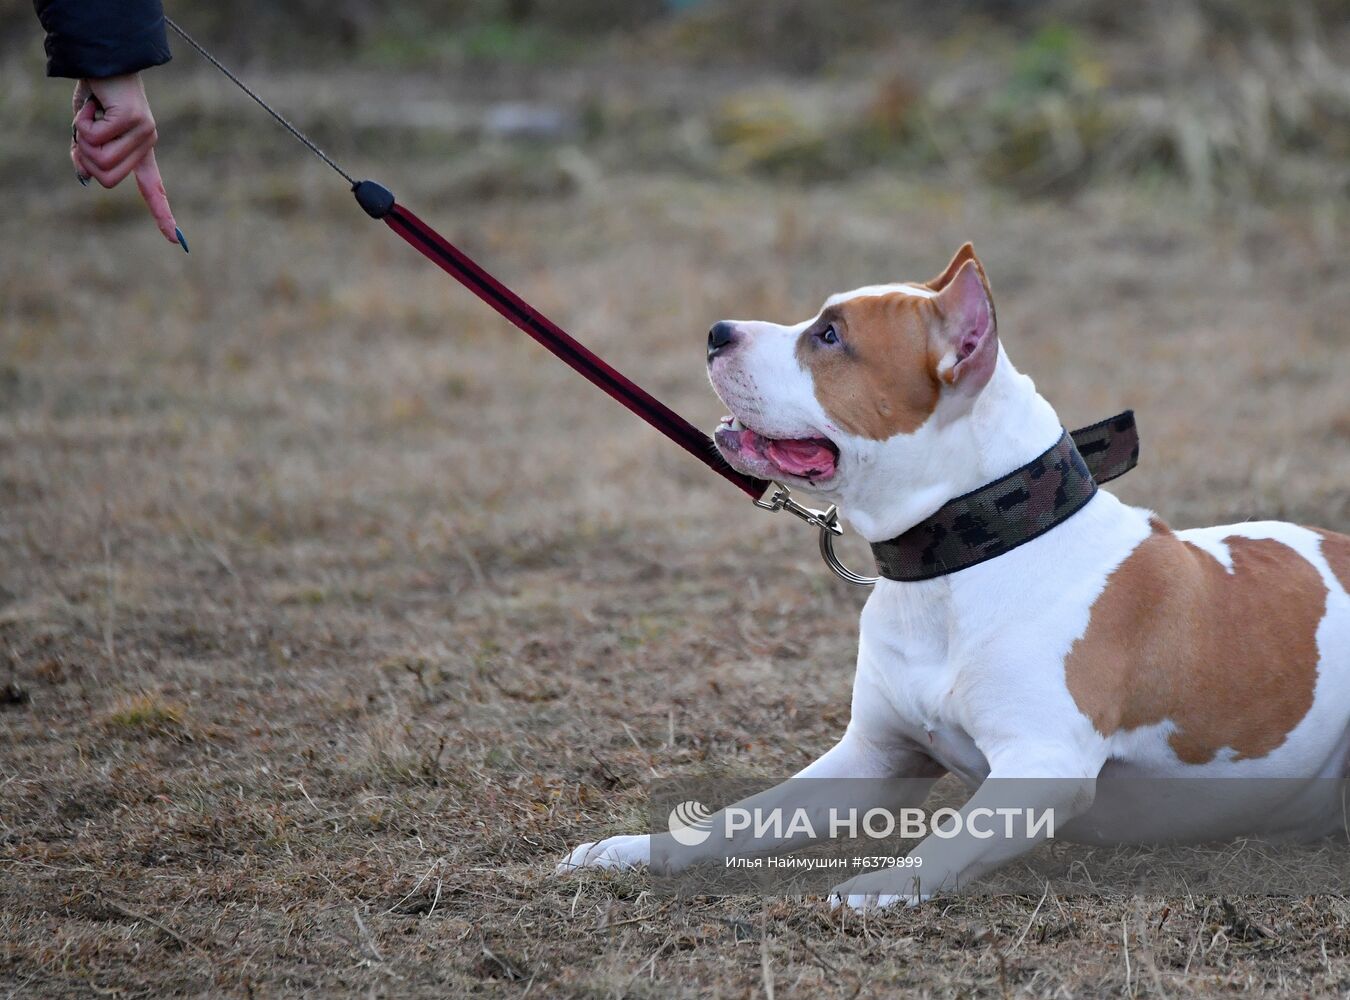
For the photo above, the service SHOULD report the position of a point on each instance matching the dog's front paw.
(877, 891)
(616, 852)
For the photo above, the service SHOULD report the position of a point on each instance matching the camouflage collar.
(1020, 506)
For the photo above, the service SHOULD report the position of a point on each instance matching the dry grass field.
(332, 610)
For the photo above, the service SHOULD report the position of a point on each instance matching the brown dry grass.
(341, 611)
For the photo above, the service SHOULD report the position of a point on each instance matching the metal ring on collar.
(837, 567)
(826, 520)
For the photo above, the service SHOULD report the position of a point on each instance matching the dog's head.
(858, 393)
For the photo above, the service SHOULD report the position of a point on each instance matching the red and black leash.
(379, 203)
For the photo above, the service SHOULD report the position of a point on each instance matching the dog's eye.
(829, 335)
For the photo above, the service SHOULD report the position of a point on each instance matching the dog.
(1107, 645)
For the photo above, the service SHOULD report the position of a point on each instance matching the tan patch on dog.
(1336, 551)
(880, 380)
(1229, 658)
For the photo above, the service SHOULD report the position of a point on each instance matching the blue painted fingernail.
(182, 240)
(83, 179)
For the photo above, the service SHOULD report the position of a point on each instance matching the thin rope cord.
(260, 102)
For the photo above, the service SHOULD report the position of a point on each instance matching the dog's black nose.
(720, 337)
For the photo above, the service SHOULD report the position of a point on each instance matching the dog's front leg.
(1008, 816)
(853, 757)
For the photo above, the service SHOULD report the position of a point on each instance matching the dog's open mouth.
(811, 458)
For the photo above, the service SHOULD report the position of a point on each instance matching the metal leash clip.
(826, 520)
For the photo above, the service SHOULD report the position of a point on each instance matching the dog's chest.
(911, 678)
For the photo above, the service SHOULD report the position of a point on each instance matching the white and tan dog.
(1107, 646)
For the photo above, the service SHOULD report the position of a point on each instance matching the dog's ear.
(967, 252)
(967, 329)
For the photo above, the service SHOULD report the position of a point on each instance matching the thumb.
(84, 114)
(151, 186)
(81, 97)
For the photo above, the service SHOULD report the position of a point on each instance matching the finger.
(151, 185)
(82, 169)
(84, 112)
(81, 174)
(111, 176)
(110, 155)
(114, 124)
(84, 115)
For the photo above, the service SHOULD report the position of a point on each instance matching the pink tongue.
(801, 457)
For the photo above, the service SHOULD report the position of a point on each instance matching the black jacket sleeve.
(98, 38)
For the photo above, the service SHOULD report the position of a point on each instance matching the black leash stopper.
(376, 200)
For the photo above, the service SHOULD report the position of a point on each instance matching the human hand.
(119, 142)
